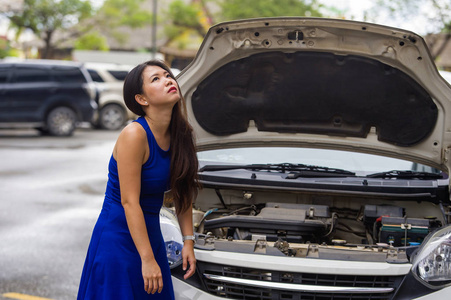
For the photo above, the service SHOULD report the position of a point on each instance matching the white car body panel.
(228, 239)
(306, 265)
(237, 40)
(441, 294)
(184, 291)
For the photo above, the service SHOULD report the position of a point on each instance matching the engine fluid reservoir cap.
(339, 242)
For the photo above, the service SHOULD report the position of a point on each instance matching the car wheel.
(61, 121)
(111, 117)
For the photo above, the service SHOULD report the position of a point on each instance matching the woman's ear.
(140, 99)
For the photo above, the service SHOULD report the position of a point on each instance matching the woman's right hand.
(153, 280)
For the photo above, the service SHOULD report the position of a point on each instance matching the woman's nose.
(169, 80)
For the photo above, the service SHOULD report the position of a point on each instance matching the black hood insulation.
(317, 93)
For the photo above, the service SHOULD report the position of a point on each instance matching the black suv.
(51, 96)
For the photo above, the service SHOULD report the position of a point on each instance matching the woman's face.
(159, 88)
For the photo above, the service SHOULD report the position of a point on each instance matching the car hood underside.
(319, 83)
(319, 93)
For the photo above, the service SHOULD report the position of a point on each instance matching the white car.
(325, 152)
(109, 79)
(446, 75)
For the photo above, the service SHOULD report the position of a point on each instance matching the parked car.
(325, 152)
(109, 79)
(51, 96)
(446, 75)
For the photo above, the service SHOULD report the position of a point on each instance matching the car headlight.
(433, 261)
(172, 236)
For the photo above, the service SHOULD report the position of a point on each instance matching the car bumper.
(210, 262)
(185, 291)
(441, 294)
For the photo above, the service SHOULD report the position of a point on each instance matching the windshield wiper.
(399, 174)
(296, 170)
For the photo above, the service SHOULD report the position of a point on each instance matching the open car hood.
(319, 83)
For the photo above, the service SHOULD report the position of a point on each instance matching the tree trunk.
(442, 47)
(48, 48)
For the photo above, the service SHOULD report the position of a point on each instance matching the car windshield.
(356, 162)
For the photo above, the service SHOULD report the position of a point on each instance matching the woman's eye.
(154, 79)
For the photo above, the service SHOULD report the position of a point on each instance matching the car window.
(31, 74)
(319, 157)
(4, 72)
(119, 75)
(69, 74)
(95, 76)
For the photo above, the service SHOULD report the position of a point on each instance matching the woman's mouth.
(172, 89)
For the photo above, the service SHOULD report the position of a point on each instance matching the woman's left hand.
(188, 258)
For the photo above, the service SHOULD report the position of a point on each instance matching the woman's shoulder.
(133, 132)
(134, 128)
(132, 139)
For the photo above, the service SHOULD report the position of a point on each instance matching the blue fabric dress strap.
(150, 137)
(142, 120)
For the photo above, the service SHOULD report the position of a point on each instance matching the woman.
(127, 257)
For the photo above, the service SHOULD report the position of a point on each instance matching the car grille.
(227, 282)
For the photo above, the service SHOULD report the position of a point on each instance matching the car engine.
(343, 231)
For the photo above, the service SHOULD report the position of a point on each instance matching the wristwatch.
(189, 237)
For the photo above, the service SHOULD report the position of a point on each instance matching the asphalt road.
(51, 192)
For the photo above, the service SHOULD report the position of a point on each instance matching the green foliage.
(243, 9)
(92, 41)
(129, 13)
(193, 18)
(184, 14)
(77, 19)
(9, 53)
(43, 16)
(114, 15)
(183, 17)
(4, 48)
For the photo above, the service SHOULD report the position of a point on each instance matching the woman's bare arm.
(130, 152)
(186, 225)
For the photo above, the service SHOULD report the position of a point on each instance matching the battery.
(403, 231)
(373, 212)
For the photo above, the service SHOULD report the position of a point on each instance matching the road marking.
(23, 297)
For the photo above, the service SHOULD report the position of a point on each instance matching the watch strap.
(189, 237)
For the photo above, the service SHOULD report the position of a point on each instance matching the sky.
(356, 9)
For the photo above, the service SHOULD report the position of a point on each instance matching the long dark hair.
(184, 179)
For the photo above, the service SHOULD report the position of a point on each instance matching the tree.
(45, 17)
(115, 15)
(243, 9)
(91, 41)
(56, 21)
(439, 19)
(186, 22)
(187, 16)
(196, 17)
(4, 47)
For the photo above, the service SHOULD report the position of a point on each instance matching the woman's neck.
(159, 121)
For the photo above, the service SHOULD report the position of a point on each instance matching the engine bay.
(312, 225)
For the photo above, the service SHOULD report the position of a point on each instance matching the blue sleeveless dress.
(112, 269)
